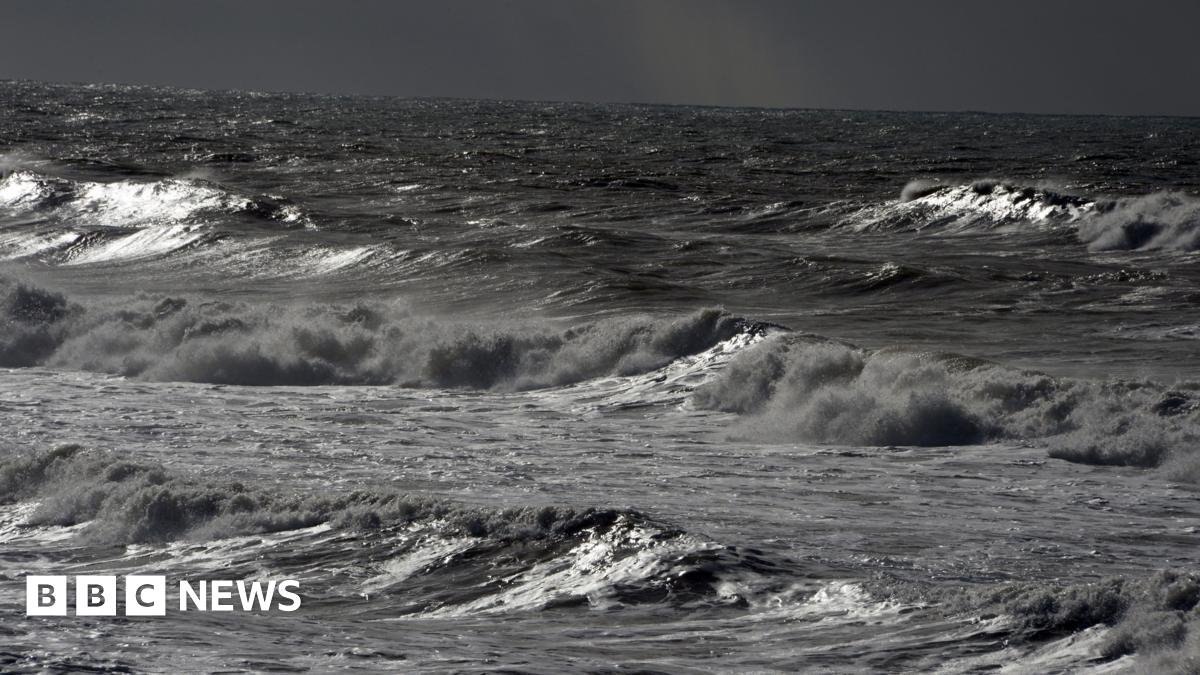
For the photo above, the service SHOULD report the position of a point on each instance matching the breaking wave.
(414, 555)
(128, 203)
(1150, 623)
(1168, 221)
(86, 222)
(1155, 617)
(181, 339)
(983, 204)
(796, 388)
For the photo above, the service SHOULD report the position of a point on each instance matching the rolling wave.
(86, 222)
(790, 387)
(229, 343)
(1162, 221)
(1156, 617)
(410, 555)
(797, 388)
(145, 243)
(128, 203)
(983, 204)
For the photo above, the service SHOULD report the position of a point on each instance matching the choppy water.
(564, 386)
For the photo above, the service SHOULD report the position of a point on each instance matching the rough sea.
(549, 387)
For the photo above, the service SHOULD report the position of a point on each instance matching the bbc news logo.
(146, 595)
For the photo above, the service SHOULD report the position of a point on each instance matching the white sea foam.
(428, 553)
(23, 189)
(331, 260)
(982, 204)
(124, 203)
(145, 243)
(15, 526)
(129, 204)
(794, 388)
(626, 554)
(15, 246)
(1160, 221)
(1061, 655)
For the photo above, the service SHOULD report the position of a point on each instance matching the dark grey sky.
(1136, 56)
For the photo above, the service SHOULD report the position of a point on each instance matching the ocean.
(545, 387)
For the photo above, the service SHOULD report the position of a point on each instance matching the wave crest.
(983, 204)
(226, 343)
(1168, 221)
(79, 222)
(125, 203)
(796, 389)
(1156, 617)
(411, 555)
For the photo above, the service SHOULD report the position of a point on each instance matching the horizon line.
(570, 101)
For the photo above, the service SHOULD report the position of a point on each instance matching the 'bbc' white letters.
(145, 596)
(95, 595)
(45, 595)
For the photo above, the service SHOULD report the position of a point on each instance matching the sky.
(1059, 56)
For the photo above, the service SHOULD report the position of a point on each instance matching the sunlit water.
(546, 387)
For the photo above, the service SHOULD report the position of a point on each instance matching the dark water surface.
(605, 387)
